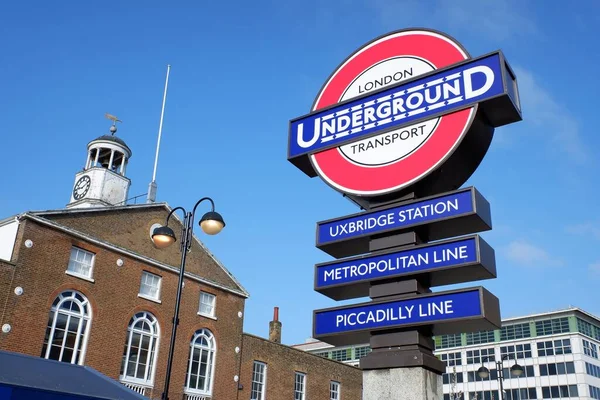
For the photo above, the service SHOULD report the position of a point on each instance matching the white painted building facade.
(8, 235)
(558, 352)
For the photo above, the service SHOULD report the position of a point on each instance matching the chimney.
(275, 327)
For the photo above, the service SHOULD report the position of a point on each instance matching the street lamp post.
(484, 373)
(163, 236)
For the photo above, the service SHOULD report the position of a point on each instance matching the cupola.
(103, 182)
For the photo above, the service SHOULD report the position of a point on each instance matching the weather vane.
(114, 119)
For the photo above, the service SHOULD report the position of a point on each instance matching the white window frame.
(72, 259)
(211, 349)
(262, 384)
(334, 390)
(214, 305)
(299, 386)
(154, 345)
(158, 291)
(590, 349)
(85, 314)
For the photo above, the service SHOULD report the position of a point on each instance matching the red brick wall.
(282, 363)
(40, 270)
(131, 230)
(7, 296)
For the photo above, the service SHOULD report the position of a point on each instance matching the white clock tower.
(103, 183)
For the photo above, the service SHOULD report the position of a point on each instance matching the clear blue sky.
(241, 70)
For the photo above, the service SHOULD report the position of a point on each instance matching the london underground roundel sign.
(398, 110)
(394, 159)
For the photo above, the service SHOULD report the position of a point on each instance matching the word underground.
(438, 93)
(404, 216)
(389, 264)
(395, 313)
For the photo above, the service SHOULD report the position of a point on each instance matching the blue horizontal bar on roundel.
(455, 311)
(487, 80)
(456, 213)
(460, 260)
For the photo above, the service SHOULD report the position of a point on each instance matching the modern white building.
(558, 353)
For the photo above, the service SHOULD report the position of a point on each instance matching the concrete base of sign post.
(402, 384)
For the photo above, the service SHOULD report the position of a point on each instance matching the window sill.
(149, 298)
(207, 316)
(73, 274)
(193, 392)
(136, 382)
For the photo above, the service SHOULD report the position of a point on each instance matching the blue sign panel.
(463, 310)
(440, 92)
(395, 218)
(399, 313)
(398, 263)
(457, 213)
(459, 260)
(416, 213)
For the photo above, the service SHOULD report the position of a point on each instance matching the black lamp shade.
(483, 372)
(163, 236)
(212, 223)
(516, 370)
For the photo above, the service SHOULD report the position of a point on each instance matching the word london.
(394, 314)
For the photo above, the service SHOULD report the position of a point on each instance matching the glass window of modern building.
(557, 350)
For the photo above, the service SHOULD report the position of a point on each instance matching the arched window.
(139, 354)
(201, 363)
(68, 327)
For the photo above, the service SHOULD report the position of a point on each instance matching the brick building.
(290, 373)
(86, 285)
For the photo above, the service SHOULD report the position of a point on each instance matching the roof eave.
(67, 211)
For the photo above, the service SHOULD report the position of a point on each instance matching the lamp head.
(483, 372)
(516, 370)
(163, 237)
(212, 223)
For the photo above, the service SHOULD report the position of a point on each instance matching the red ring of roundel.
(356, 179)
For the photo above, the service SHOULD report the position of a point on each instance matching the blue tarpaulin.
(24, 377)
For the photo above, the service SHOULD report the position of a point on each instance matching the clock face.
(81, 187)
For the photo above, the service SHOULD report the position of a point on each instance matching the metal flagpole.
(152, 187)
